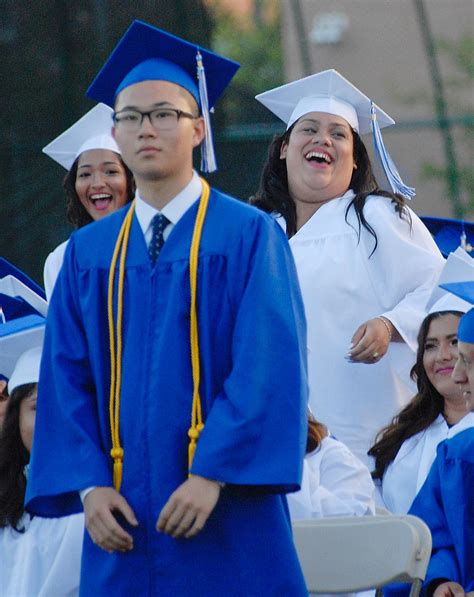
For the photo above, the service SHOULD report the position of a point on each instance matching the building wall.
(381, 51)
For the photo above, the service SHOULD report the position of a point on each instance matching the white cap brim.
(27, 369)
(327, 91)
(92, 131)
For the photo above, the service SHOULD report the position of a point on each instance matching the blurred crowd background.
(413, 57)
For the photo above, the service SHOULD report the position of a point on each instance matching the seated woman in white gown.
(38, 556)
(335, 482)
(405, 450)
(97, 182)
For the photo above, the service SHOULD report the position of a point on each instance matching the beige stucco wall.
(382, 53)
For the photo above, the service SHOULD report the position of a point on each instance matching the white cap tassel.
(208, 156)
(388, 165)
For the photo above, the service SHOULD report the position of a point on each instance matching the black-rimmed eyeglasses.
(162, 119)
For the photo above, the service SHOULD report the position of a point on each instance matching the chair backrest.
(341, 555)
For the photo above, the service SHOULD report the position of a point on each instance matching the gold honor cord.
(116, 351)
(196, 413)
(115, 336)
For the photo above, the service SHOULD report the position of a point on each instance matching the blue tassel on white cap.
(208, 156)
(391, 172)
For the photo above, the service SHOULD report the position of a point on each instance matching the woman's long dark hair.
(13, 459)
(76, 213)
(417, 415)
(273, 194)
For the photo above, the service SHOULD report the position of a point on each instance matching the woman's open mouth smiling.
(101, 201)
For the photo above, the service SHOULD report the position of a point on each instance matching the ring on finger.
(375, 355)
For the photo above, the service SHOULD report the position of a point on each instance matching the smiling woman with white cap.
(97, 182)
(365, 262)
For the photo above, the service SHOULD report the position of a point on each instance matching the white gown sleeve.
(45, 559)
(404, 268)
(52, 267)
(335, 483)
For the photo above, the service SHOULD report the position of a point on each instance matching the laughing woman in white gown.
(97, 182)
(366, 263)
(39, 557)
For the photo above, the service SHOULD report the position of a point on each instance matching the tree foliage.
(51, 50)
(257, 46)
(461, 57)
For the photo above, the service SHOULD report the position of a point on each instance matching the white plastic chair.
(342, 555)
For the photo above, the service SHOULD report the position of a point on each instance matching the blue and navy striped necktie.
(158, 224)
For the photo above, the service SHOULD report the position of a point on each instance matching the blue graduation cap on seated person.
(328, 91)
(449, 234)
(22, 317)
(8, 269)
(91, 131)
(458, 267)
(465, 291)
(146, 53)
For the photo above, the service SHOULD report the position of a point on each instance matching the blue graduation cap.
(22, 316)
(17, 336)
(464, 290)
(146, 53)
(7, 268)
(450, 234)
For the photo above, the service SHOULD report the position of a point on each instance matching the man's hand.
(188, 508)
(105, 531)
(449, 589)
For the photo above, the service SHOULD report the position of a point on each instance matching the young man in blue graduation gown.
(446, 500)
(152, 530)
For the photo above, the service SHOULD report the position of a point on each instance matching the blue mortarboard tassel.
(208, 156)
(391, 172)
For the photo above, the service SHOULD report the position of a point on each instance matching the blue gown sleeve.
(66, 430)
(255, 432)
(430, 507)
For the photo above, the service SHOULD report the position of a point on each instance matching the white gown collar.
(317, 225)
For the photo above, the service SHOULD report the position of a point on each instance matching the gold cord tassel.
(116, 344)
(197, 424)
(116, 339)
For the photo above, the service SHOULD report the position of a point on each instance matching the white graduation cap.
(459, 267)
(27, 368)
(92, 131)
(328, 91)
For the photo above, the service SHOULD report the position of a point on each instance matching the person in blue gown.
(446, 500)
(116, 392)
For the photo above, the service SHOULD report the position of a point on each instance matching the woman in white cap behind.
(39, 556)
(366, 264)
(97, 182)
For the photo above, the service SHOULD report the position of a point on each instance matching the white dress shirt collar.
(174, 209)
